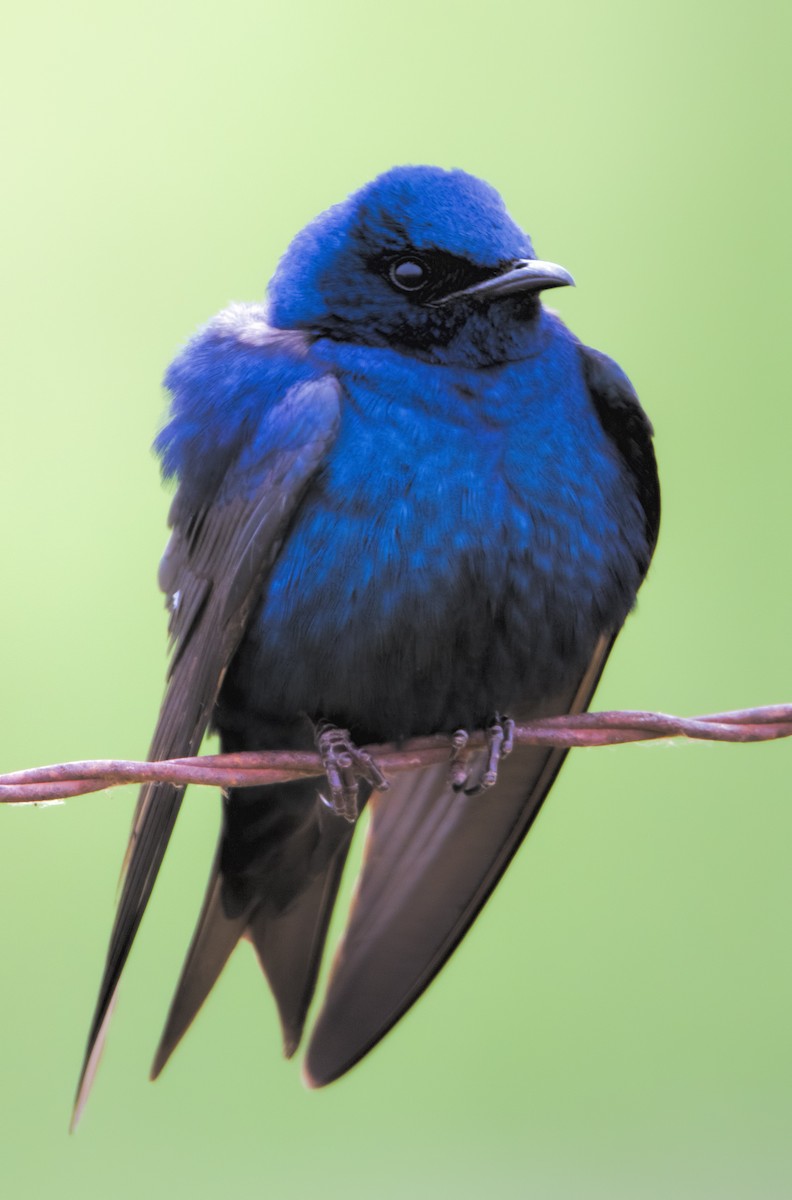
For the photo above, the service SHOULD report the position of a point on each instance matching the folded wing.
(432, 859)
(214, 568)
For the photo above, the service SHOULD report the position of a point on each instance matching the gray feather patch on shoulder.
(248, 324)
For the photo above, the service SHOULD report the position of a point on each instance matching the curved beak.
(525, 275)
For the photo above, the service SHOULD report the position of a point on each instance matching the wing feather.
(432, 859)
(214, 569)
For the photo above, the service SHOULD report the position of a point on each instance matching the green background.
(617, 1024)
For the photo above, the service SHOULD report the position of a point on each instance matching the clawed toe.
(345, 765)
(500, 743)
(458, 769)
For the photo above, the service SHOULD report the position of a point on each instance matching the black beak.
(526, 275)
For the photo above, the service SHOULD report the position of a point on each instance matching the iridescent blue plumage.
(462, 534)
(462, 503)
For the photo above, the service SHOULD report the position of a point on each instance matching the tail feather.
(289, 945)
(275, 887)
(215, 937)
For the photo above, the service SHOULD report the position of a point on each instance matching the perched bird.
(409, 501)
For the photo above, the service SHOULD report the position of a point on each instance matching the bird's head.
(421, 259)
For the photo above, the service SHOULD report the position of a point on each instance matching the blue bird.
(409, 501)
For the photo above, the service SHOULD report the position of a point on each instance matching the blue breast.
(473, 534)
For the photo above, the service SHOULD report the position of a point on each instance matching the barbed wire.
(42, 785)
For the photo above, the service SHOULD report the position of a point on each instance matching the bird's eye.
(408, 274)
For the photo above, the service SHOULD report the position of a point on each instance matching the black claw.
(484, 782)
(344, 765)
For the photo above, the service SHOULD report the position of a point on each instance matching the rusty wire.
(41, 785)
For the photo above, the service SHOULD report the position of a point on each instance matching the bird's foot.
(500, 742)
(345, 764)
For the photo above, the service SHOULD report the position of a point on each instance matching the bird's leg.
(344, 765)
(500, 742)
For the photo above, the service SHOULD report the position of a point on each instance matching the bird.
(409, 501)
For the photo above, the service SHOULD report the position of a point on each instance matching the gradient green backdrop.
(618, 1023)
